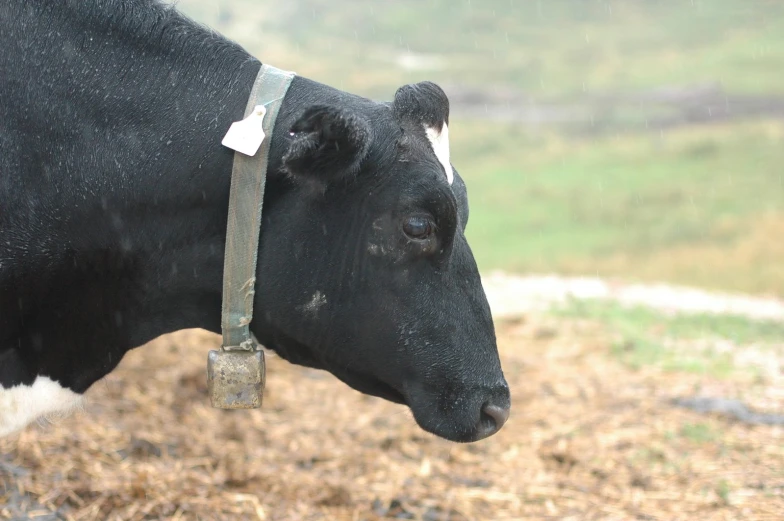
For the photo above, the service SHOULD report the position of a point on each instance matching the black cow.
(113, 211)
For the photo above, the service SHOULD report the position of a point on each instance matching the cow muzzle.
(466, 415)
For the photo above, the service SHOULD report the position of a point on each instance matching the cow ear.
(328, 144)
(423, 103)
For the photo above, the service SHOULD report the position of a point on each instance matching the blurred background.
(625, 170)
(640, 139)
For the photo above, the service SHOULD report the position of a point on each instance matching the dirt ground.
(587, 439)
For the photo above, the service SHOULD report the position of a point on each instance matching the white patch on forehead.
(440, 144)
(23, 404)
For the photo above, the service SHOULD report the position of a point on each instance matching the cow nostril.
(493, 417)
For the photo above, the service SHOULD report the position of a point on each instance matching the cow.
(114, 191)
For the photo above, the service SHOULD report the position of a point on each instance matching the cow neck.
(246, 197)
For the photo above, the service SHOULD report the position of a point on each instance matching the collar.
(250, 139)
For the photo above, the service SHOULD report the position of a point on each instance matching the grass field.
(722, 346)
(699, 206)
(551, 47)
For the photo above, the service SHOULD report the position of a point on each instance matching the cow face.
(365, 270)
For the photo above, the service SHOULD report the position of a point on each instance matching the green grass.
(561, 47)
(680, 342)
(699, 432)
(553, 47)
(724, 491)
(698, 205)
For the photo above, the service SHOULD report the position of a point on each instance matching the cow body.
(113, 211)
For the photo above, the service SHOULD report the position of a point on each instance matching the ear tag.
(245, 136)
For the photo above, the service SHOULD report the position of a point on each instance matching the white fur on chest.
(23, 404)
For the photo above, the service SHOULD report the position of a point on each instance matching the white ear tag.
(245, 136)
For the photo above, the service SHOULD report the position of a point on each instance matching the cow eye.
(418, 227)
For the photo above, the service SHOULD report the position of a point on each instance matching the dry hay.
(588, 439)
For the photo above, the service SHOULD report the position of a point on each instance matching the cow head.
(365, 270)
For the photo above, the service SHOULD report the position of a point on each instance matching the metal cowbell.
(236, 378)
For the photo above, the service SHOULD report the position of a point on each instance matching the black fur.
(114, 201)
